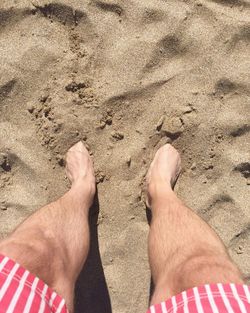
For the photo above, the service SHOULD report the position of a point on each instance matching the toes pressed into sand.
(164, 169)
(79, 146)
(79, 164)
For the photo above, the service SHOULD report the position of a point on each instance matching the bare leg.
(184, 251)
(53, 243)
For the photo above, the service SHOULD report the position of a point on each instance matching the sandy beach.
(126, 77)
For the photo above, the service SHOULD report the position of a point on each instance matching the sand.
(126, 77)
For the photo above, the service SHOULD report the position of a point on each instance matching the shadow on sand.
(151, 288)
(91, 295)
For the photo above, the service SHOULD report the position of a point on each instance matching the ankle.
(84, 183)
(83, 191)
(159, 193)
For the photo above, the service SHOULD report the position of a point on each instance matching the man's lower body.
(184, 252)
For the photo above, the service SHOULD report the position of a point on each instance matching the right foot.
(80, 170)
(163, 172)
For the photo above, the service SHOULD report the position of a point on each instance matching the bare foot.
(163, 172)
(80, 170)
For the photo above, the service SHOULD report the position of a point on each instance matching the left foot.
(80, 170)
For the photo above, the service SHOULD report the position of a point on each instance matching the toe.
(79, 146)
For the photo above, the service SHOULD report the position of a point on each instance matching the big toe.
(169, 154)
(167, 150)
(79, 146)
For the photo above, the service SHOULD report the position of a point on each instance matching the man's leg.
(184, 252)
(53, 243)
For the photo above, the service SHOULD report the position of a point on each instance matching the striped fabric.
(216, 298)
(22, 292)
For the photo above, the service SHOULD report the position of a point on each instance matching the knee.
(37, 251)
(21, 248)
(198, 269)
(205, 268)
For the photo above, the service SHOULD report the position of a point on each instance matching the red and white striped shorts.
(22, 292)
(215, 298)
